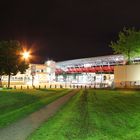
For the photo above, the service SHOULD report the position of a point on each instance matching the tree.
(11, 61)
(128, 43)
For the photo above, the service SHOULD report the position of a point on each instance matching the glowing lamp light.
(26, 55)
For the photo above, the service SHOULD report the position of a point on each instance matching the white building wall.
(39, 74)
(127, 75)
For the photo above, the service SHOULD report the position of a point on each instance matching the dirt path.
(21, 129)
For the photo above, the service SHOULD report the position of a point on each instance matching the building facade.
(95, 71)
(36, 74)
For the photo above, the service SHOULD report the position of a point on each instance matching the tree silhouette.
(10, 59)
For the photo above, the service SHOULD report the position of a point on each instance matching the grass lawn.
(95, 115)
(16, 104)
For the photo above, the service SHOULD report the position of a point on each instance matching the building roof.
(92, 64)
(92, 61)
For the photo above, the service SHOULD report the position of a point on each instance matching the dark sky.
(66, 29)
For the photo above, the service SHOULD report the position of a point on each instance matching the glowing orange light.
(26, 55)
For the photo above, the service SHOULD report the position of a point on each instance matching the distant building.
(36, 74)
(95, 71)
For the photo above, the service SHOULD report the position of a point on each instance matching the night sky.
(66, 29)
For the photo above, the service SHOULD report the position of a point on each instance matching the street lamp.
(26, 55)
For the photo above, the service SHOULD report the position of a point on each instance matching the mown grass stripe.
(15, 112)
(95, 115)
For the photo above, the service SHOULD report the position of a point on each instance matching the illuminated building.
(95, 72)
(36, 74)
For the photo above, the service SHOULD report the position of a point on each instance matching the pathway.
(21, 129)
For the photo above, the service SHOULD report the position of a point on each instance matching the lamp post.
(26, 55)
(33, 72)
